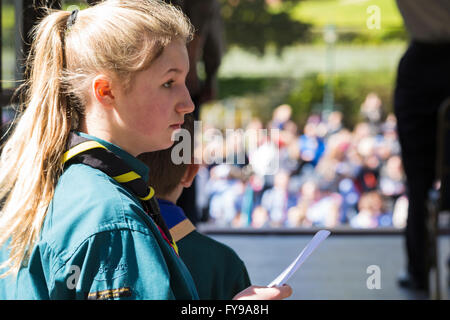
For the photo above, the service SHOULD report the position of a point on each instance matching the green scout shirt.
(97, 242)
(218, 272)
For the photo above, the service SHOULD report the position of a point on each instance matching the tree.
(255, 24)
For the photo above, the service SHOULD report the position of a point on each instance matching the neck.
(174, 195)
(94, 126)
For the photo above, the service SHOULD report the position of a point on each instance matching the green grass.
(300, 60)
(240, 86)
(7, 17)
(8, 12)
(347, 13)
(7, 45)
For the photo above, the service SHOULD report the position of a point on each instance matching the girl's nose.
(186, 106)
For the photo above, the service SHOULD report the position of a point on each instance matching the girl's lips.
(176, 126)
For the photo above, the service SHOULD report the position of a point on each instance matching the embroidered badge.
(110, 294)
(108, 271)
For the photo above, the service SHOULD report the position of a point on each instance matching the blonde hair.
(119, 37)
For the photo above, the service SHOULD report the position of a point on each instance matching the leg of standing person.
(422, 85)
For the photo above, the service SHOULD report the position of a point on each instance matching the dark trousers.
(423, 83)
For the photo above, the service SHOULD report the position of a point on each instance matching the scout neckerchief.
(96, 155)
(177, 222)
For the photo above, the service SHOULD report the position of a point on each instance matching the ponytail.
(30, 163)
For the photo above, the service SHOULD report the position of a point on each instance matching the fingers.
(285, 291)
(275, 293)
(264, 293)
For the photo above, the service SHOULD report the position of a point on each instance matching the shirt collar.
(136, 165)
(179, 225)
(171, 213)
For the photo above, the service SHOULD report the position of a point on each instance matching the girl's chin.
(163, 144)
(169, 143)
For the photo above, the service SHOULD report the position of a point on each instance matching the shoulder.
(217, 269)
(87, 202)
(202, 245)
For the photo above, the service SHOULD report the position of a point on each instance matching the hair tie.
(72, 18)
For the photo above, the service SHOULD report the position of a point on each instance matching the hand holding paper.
(306, 252)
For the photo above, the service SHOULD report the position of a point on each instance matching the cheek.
(151, 118)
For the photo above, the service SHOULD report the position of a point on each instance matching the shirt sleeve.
(116, 264)
(242, 280)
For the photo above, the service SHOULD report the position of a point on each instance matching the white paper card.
(306, 252)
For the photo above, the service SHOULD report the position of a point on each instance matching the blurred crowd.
(327, 175)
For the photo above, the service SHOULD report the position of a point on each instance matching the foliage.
(252, 24)
(350, 90)
(347, 14)
(350, 19)
(262, 94)
(259, 95)
(240, 86)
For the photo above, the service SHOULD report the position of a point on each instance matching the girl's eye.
(168, 84)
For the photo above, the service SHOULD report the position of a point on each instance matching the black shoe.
(407, 281)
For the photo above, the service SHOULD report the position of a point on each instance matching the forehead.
(173, 57)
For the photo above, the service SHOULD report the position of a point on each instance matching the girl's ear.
(103, 93)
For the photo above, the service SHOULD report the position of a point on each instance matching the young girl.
(77, 221)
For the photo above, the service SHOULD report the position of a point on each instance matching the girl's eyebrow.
(176, 70)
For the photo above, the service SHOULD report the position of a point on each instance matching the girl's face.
(156, 103)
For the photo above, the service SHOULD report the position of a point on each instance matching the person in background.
(278, 200)
(372, 111)
(371, 213)
(311, 147)
(421, 87)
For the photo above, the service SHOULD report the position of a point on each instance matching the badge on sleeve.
(110, 294)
